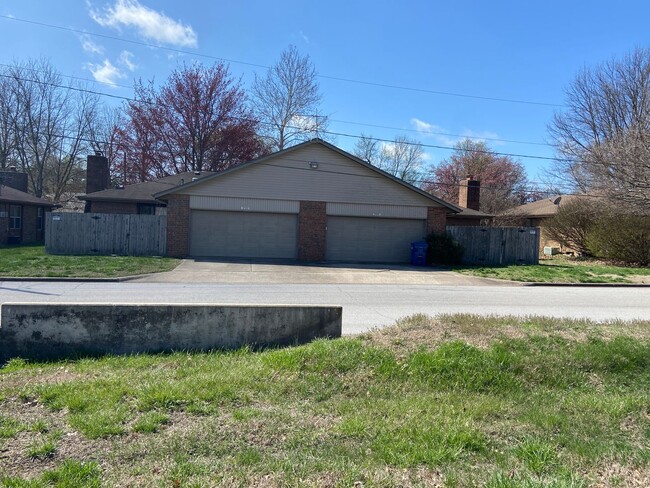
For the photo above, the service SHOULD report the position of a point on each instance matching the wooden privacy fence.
(498, 245)
(105, 234)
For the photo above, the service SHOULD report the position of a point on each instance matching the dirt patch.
(25, 379)
(617, 475)
(642, 279)
(70, 444)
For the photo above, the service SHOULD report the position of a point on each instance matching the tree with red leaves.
(197, 121)
(503, 180)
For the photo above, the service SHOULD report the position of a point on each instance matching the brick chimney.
(469, 193)
(12, 178)
(97, 175)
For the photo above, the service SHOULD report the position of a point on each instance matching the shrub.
(572, 223)
(443, 249)
(621, 237)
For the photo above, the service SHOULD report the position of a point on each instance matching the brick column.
(436, 219)
(312, 225)
(178, 226)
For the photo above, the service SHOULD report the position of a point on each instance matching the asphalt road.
(364, 306)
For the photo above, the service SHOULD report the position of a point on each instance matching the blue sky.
(527, 51)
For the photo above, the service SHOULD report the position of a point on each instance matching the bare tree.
(603, 137)
(49, 125)
(7, 106)
(287, 101)
(403, 157)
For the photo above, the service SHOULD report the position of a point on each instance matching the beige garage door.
(243, 234)
(361, 239)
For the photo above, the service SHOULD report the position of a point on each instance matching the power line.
(426, 132)
(255, 65)
(341, 134)
(363, 124)
(307, 161)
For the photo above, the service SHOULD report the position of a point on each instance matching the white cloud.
(421, 125)
(105, 72)
(90, 46)
(126, 59)
(147, 22)
(444, 137)
(304, 36)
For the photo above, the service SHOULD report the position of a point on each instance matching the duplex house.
(310, 202)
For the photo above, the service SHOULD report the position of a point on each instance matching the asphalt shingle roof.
(546, 207)
(11, 195)
(143, 192)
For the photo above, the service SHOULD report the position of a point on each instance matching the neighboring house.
(311, 202)
(130, 199)
(22, 216)
(535, 214)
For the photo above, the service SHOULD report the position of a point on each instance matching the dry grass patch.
(415, 332)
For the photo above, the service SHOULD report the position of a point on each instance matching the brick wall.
(114, 207)
(178, 226)
(31, 233)
(312, 226)
(14, 179)
(469, 193)
(4, 224)
(97, 174)
(436, 219)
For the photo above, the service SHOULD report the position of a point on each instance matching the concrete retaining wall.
(60, 330)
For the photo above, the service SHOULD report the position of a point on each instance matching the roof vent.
(197, 173)
(557, 200)
(194, 179)
(120, 187)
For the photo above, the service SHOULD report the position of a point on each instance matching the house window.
(3, 212)
(146, 209)
(15, 217)
(39, 218)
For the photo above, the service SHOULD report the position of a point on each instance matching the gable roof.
(449, 206)
(547, 207)
(11, 195)
(143, 192)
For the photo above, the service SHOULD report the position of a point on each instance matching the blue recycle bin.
(419, 253)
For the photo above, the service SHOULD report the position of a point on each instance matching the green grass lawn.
(33, 261)
(456, 401)
(560, 269)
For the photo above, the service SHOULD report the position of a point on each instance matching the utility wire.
(349, 122)
(333, 133)
(245, 63)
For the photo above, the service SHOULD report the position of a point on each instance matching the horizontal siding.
(385, 211)
(289, 177)
(202, 202)
(356, 239)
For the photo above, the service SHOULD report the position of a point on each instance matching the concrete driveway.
(286, 272)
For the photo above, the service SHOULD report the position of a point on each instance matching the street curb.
(46, 279)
